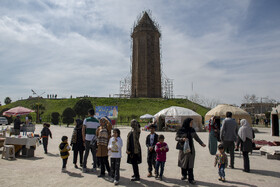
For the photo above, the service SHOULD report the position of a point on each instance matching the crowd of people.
(92, 135)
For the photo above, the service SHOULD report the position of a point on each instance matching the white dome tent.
(182, 113)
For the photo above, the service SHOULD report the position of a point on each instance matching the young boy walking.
(222, 161)
(115, 150)
(151, 142)
(45, 133)
(64, 152)
(161, 150)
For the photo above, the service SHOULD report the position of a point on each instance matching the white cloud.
(83, 48)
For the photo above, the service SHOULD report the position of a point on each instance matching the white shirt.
(116, 147)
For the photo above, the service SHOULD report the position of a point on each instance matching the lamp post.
(38, 96)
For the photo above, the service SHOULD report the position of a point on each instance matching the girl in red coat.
(161, 149)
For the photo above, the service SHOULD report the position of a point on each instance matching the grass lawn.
(127, 108)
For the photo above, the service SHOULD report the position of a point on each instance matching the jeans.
(93, 152)
(151, 160)
(161, 164)
(115, 168)
(246, 161)
(104, 163)
(75, 156)
(230, 146)
(45, 143)
(222, 170)
(64, 163)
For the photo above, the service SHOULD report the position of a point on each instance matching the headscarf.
(79, 124)
(135, 131)
(108, 125)
(245, 130)
(188, 130)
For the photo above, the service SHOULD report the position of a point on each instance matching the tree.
(39, 109)
(68, 116)
(82, 106)
(246, 98)
(55, 118)
(254, 98)
(7, 100)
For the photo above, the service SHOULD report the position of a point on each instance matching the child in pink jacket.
(161, 149)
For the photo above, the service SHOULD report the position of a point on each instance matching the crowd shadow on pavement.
(73, 174)
(266, 173)
(126, 182)
(53, 155)
(234, 183)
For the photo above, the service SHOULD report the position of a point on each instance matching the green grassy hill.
(128, 108)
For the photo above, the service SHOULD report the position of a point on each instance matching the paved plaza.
(45, 170)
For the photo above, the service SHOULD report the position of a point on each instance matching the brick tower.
(146, 71)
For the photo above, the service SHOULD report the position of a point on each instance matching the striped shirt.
(91, 125)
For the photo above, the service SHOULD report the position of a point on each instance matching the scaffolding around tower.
(125, 87)
(167, 87)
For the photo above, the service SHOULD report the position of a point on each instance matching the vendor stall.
(24, 144)
(221, 110)
(173, 117)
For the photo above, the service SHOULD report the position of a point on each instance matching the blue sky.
(82, 47)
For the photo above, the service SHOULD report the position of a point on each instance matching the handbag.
(93, 141)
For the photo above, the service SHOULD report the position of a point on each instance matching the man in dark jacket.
(229, 135)
(17, 123)
(151, 142)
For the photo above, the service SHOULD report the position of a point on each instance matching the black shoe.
(160, 178)
(76, 166)
(81, 165)
(183, 178)
(101, 175)
(192, 182)
(247, 171)
(135, 179)
(232, 167)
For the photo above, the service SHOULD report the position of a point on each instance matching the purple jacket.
(161, 154)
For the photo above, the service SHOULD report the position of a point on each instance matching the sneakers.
(192, 182)
(93, 170)
(183, 178)
(85, 170)
(135, 179)
(116, 182)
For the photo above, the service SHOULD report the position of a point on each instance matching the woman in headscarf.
(245, 137)
(103, 134)
(133, 149)
(77, 143)
(186, 160)
(214, 134)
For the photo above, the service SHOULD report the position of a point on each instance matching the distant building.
(257, 108)
(146, 67)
